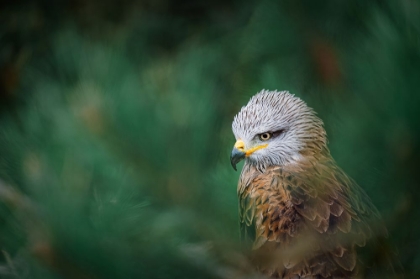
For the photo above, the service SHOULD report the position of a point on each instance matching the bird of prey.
(300, 213)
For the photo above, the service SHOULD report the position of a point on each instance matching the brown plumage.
(300, 213)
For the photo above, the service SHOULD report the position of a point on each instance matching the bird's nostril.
(240, 145)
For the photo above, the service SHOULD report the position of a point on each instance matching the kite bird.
(300, 213)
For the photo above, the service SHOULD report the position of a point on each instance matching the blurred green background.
(115, 125)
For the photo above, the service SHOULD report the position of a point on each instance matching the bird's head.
(276, 128)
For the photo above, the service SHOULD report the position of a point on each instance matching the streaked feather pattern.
(318, 209)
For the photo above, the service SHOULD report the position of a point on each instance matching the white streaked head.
(276, 128)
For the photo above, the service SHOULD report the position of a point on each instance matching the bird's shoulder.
(319, 193)
(314, 203)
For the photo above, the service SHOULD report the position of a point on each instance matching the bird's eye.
(265, 136)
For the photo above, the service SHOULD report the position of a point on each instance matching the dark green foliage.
(115, 125)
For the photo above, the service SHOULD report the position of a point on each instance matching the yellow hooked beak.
(239, 152)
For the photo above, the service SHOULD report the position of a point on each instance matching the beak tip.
(236, 157)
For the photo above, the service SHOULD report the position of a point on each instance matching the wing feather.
(294, 209)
